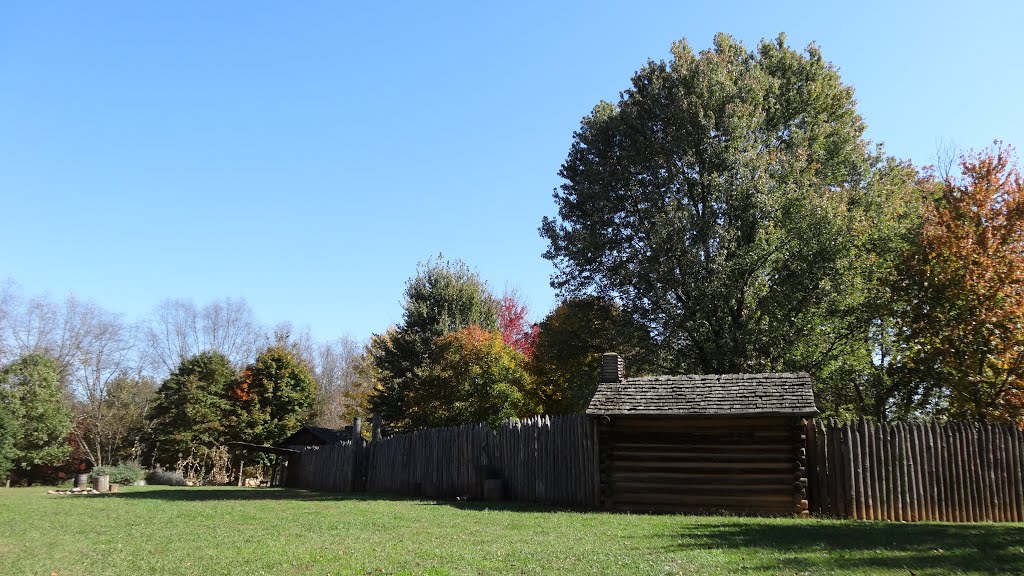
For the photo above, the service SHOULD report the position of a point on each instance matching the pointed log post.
(375, 424)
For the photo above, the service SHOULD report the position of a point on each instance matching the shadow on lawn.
(227, 493)
(222, 493)
(912, 548)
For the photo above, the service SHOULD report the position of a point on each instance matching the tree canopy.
(566, 361)
(444, 297)
(963, 281)
(723, 203)
(474, 376)
(191, 409)
(36, 418)
(272, 397)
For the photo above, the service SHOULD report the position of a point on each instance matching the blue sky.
(305, 156)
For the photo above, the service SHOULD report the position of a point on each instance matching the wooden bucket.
(101, 483)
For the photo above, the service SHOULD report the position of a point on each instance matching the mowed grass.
(215, 531)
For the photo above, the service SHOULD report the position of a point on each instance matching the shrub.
(164, 478)
(121, 474)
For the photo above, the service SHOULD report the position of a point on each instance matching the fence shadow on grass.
(815, 546)
(208, 494)
(228, 493)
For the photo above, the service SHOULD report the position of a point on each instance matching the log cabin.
(732, 443)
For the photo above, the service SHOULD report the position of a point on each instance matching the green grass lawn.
(214, 531)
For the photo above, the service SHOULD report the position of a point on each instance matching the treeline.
(81, 387)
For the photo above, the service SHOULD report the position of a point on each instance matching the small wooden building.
(709, 443)
(315, 436)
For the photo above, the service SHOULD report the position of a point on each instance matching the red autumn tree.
(513, 322)
(965, 319)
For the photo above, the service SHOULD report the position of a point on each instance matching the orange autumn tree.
(473, 377)
(965, 282)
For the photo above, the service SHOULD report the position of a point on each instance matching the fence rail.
(543, 459)
(918, 471)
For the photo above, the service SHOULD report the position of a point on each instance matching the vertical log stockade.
(953, 472)
(956, 472)
(739, 443)
(542, 459)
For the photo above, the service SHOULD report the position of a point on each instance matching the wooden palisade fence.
(542, 459)
(916, 471)
(957, 472)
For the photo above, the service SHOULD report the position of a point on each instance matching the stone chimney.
(613, 368)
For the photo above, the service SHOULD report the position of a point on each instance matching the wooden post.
(241, 464)
(375, 424)
(1017, 472)
(965, 471)
(990, 477)
(356, 477)
(952, 471)
(844, 499)
(1001, 476)
(943, 473)
(896, 472)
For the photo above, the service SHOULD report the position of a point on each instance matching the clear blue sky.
(306, 155)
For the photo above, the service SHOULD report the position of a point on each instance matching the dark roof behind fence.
(325, 435)
(711, 394)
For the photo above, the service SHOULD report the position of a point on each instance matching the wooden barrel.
(81, 480)
(101, 483)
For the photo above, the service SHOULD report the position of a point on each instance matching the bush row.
(128, 474)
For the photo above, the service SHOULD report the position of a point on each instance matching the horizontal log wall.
(681, 464)
(543, 459)
(957, 472)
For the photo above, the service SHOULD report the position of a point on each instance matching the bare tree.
(105, 366)
(300, 343)
(947, 157)
(230, 327)
(343, 380)
(108, 428)
(70, 332)
(177, 330)
(8, 301)
(93, 348)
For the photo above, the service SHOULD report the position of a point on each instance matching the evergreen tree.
(37, 420)
(442, 298)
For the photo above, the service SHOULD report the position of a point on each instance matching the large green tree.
(38, 420)
(722, 202)
(272, 397)
(566, 361)
(8, 431)
(444, 297)
(191, 409)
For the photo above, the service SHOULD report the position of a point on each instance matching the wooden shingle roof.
(711, 394)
